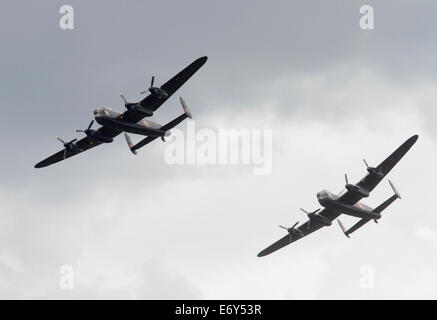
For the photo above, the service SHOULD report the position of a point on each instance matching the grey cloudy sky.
(136, 227)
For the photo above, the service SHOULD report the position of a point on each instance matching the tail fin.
(185, 107)
(394, 189)
(129, 143)
(343, 228)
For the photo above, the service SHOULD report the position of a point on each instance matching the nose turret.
(323, 197)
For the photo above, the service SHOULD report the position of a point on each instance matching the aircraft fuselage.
(359, 210)
(112, 119)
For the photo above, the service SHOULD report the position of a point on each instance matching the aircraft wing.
(371, 180)
(84, 144)
(153, 103)
(305, 228)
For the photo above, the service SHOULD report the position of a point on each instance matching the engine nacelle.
(296, 232)
(356, 189)
(158, 92)
(137, 107)
(320, 219)
(375, 171)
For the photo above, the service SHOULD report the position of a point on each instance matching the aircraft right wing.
(171, 86)
(84, 144)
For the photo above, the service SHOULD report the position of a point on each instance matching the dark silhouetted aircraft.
(132, 120)
(347, 203)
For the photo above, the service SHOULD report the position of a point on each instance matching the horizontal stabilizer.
(356, 226)
(385, 204)
(165, 127)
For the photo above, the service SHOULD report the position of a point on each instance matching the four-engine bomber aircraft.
(348, 203)
(132, 120)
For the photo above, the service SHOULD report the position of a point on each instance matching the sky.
(136, 227)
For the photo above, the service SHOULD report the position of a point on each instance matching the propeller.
(372, 169)
(309, 214)
(345, 177)
(349, 187)
(290, 229)
(62, 141)
(127, 104)
(66, 145)
(151, 85)
(87, 130)
(124, 99)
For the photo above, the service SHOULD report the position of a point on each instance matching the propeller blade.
(72, 141)
(91, 123)
(79, 130)
(62, 141)
(304, 211)
(308, 213)
(124, 99)
(151, 83)
(308, 225)
(295, 225)
(365, 162)
(283, 227)
(345, 178)
(65, 153)
(143, 92)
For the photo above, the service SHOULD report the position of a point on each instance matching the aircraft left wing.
(171, 86)
(371, 180)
